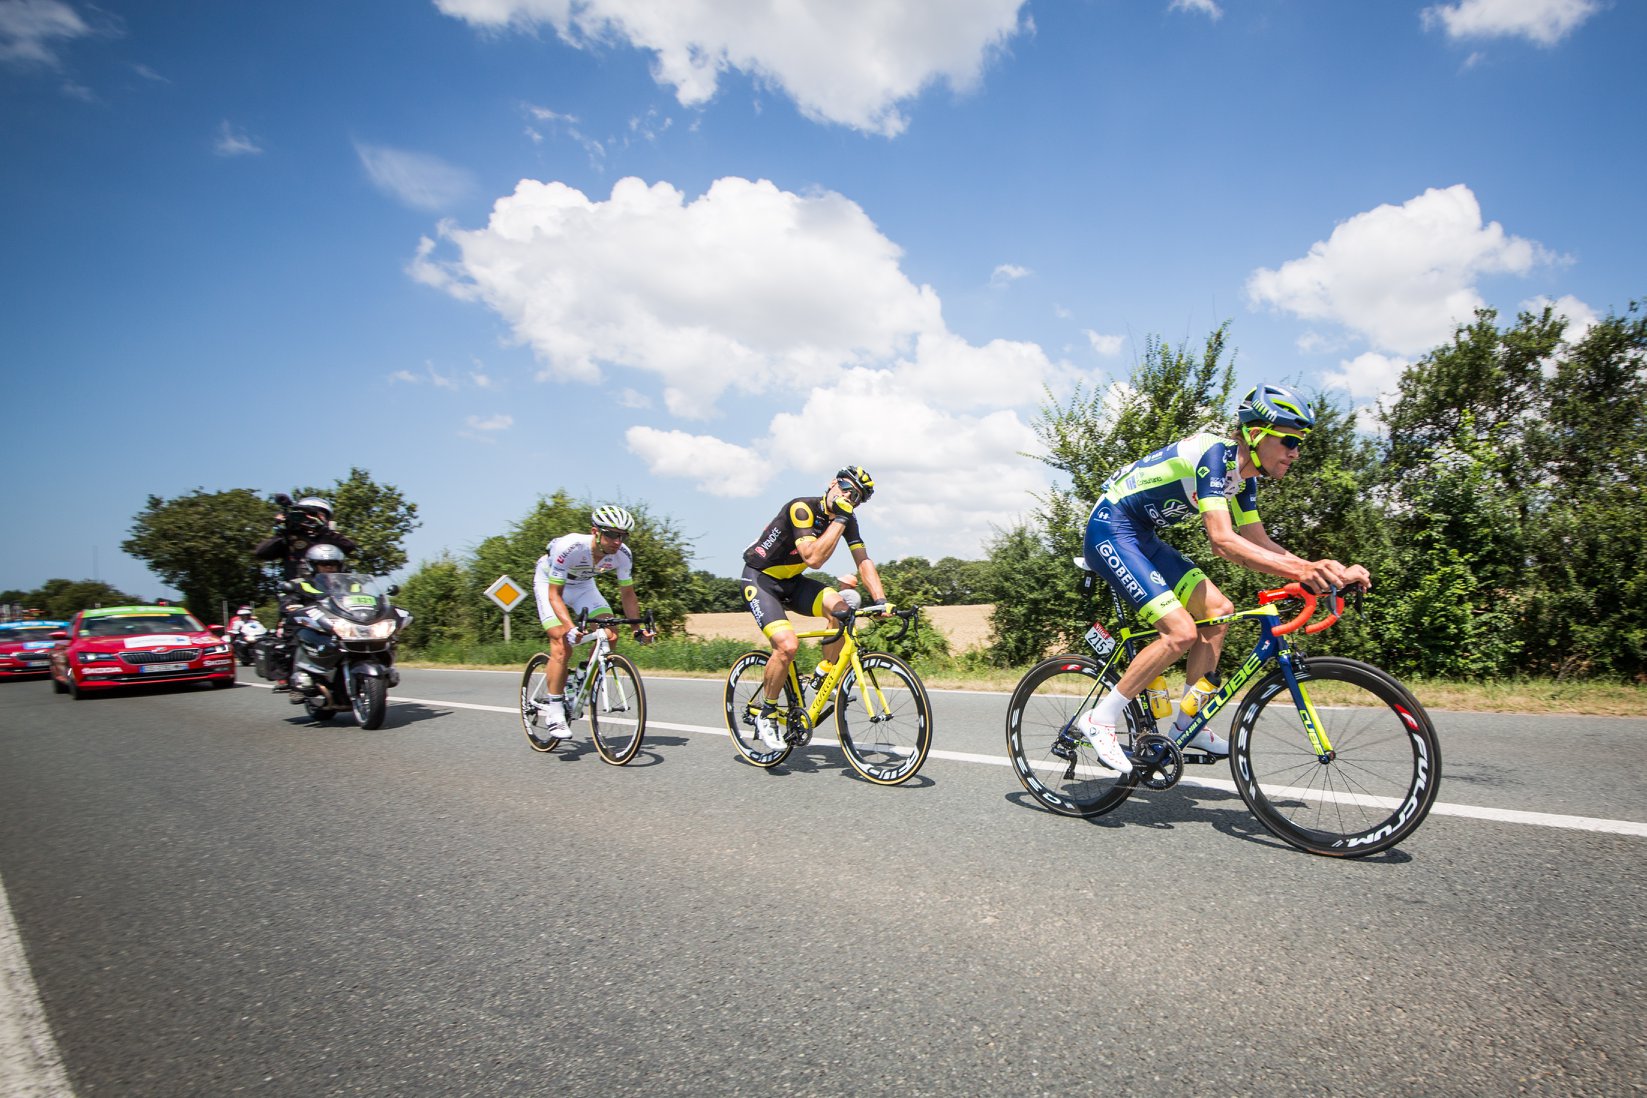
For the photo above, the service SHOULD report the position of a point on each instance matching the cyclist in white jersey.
(564, 583)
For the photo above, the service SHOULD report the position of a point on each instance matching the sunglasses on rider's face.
(1291, 442)
(849, 490)
(612, 535)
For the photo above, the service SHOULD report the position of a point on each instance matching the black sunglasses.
(850, 489)
(1291, 442)
(613, 535)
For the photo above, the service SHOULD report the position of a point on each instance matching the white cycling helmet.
(609, 517)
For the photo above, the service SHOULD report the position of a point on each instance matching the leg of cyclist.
(1206, 601)
(765, 597)
(558, 607)
(1152, 577)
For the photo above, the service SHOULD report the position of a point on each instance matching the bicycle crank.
(1158, 762)
(799, 730)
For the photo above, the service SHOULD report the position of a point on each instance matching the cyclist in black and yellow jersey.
(805, 534)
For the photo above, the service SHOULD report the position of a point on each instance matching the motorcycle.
(245, 641)
(346, 647)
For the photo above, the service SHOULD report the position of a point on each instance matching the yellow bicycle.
(882, 713)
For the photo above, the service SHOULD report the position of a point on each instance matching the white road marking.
(1441, 808)
(30, 1066)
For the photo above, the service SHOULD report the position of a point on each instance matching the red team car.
(133, 645)
(25, 647)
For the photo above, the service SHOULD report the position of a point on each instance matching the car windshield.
(137, 625)
(20, 633)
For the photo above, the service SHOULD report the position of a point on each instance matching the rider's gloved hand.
(573, 636)
(842, 507)
(644, 636)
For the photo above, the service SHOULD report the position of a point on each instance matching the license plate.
(150, 668)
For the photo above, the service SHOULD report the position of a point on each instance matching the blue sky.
(697, 254)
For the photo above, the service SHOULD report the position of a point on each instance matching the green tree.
(61, 599)
(711, 594)
(201, 544)
(662, 575)
(437, 597)
(377, 516)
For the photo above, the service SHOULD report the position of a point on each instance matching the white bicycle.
(606, 688)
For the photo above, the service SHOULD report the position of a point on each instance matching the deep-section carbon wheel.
(884, 720)
(534, 691)
(744, 693)
(1053, 762)
(617, 710)
(1374, 785)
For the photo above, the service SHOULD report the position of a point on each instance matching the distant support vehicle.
(137, 645)
(25, 647)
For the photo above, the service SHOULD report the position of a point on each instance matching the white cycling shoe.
(1209, 741)
(1103, 741)
(767, 726)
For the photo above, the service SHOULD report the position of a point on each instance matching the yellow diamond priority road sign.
(506, 593)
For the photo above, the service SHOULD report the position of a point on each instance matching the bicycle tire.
(889, 747)
(533, 687)
(744, 685)
(617, 710)
(1045, 702)
(1380, 781)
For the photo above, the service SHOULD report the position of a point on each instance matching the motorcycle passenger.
(321, 559)
(564, 583)
(303, 524)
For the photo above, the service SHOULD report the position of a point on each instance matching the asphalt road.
(216, 897)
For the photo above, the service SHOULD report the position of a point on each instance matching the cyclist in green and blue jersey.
(1216, 479)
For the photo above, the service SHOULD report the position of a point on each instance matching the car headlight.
(216, 649)
(98, 657)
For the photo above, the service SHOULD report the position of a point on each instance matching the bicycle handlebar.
(1299, 591)
(603, 623)
(908, 617)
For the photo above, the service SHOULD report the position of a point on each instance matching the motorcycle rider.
(238, 623)
(294, 596)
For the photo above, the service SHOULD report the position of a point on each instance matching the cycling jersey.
(1177, 482)
(776, 551)
(570, 564)
(1168, 486)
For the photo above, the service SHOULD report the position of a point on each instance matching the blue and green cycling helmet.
(1274, 408)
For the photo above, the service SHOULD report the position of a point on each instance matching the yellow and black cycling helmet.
(858, 479)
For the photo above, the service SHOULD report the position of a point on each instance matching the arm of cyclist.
(1251, 547)
(871, 579)
(631, 609)
(554, 595)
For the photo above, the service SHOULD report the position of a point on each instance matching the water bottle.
(1160, 702)
(1197, 696)
(819, 674)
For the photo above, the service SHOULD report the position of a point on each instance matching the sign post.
(506, 593)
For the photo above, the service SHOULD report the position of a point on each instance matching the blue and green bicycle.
(1330, 754)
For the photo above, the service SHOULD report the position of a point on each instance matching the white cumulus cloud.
(747, 287)
(1543, 22)
(419, 180)
(716, 467)
(1400, 277)
(31, 30)
(851, 62)
(233, 141)
(1201, 7)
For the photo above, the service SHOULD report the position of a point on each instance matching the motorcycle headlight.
(380, 630)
